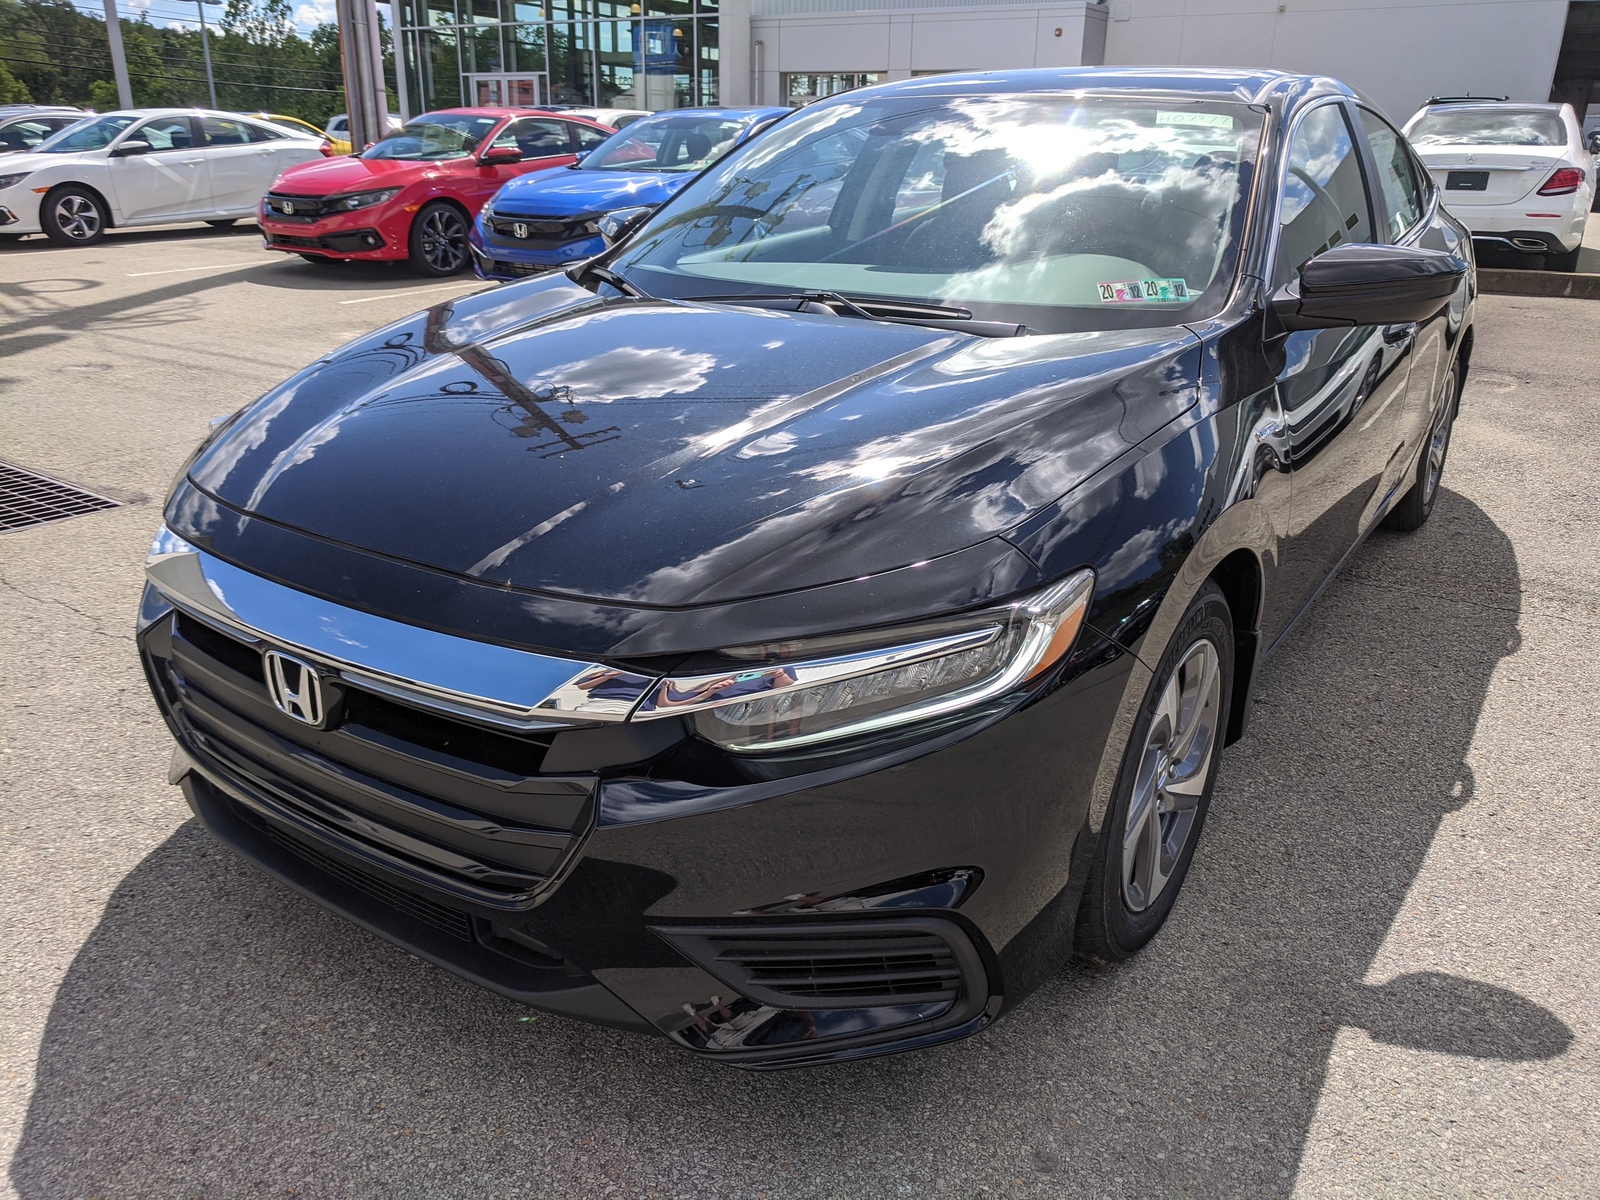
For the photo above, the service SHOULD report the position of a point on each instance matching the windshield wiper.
(607, 275)
(893, 312)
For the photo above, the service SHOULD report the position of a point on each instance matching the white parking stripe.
(399, 295)
(180, 270)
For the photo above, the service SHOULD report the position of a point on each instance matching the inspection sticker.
(1211, 120)
(1136, 291)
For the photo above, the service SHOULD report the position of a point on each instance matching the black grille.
(500, 266)
(542, 232)
(451, 921)
(29, 499)
(459, 810)
(306, 208)
(847, 964)
(289, 239)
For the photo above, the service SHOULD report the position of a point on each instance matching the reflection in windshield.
(1081, 212)
(665, 144)
(434, 136)
(1489, 127)
(95, 134)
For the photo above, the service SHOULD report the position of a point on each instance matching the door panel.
(170, 182)
(1342, 391)
(240, 168)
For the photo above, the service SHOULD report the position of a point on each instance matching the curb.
(1538, 283)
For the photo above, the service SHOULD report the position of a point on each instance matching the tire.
(1567, 263)
(1159, 806)
(223, 222)
(1417, 504)
(73, 216)
(438, 241)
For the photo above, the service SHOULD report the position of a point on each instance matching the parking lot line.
(180, 270)
(398, 295)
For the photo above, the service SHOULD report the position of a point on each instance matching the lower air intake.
(838, 964)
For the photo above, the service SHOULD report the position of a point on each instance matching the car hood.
(23, 160)
(663, 453)
(561, 192)
(335, 176)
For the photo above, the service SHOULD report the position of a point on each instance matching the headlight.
(821, 689)
(7, 181)
(362, 199)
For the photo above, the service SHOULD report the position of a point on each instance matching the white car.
(151, 166)
(617, 118)
(1517, 175)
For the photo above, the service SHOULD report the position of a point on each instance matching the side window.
(222, 132)
(1397, 181)
(1324, 198)
(262, 133)
(536, 139)
(167, 133)
(588, 138)
(25, 135)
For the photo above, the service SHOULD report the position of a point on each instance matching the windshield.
(94, 134)
(665, 144)
(434, 136)
(1489, 127)
(1060, 213)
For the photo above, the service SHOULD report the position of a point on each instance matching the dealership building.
(657, 54)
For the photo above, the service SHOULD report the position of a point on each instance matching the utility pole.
(362, 54)
(119, 60)
(205, 44)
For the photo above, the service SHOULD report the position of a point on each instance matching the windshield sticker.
(1135, 291)
(1211, 120)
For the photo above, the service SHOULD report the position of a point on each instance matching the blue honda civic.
(550, 218)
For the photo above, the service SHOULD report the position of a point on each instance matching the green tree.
(12, 89)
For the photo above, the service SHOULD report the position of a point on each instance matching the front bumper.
(366, 233)
(15, 218)
(497, 256)
(936, 879)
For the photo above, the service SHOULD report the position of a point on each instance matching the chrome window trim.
(499, 685)
(1275, 227)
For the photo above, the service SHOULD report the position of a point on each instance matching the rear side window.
(536, 139)
(221, 131)
(588, 138)
(1489, 127)
(25, 135)
(1324, 197)
(1397, 181)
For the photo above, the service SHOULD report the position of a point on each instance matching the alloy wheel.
(77, 217)
(1172, 775)
(444, 240)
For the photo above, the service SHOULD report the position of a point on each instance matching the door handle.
(1397, 335)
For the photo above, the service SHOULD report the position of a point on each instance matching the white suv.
(1517, 175)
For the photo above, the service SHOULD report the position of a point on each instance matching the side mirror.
(580, 156)
(615, 226)
(497, 156)
(1368, 285)
(131, 147)
(1594, 141)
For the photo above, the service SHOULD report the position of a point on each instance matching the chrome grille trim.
(498, 685)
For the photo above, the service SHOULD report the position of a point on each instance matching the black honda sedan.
(799, 629)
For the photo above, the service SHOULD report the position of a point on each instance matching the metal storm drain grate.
(29, 499)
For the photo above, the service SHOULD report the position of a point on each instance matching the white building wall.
(899, 37)
(1399, 52)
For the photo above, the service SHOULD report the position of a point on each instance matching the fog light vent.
(843, 964)
(29, 499)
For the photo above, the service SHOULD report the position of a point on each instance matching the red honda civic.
(414, 194)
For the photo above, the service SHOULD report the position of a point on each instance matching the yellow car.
(332, 147)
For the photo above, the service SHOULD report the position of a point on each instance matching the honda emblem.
(295, 687)
(519, 230)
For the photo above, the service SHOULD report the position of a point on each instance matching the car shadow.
(219, 1035)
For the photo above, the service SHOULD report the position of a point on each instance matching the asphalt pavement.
(1382, 977)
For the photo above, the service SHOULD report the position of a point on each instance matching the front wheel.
(439, 240)
(1163, 789)
(1417, 504)
(73, 216)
